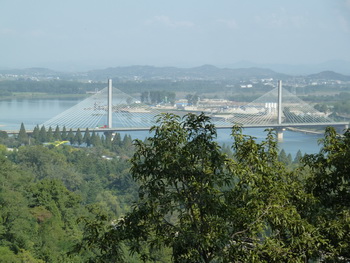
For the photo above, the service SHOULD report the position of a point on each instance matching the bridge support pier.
(280, 134)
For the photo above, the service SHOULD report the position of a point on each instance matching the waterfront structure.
(115, 110)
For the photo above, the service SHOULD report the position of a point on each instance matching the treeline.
(156, 97)
(323, 89)
(55, 137)
(176, 197)
(197, 204)
(200, 205)
(167, 85)
(150, 91)
(330, 98)
(47, 187)
(7, 87)
(338, 105)
(228, 87)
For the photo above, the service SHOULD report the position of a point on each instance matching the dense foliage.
(176, 197)
(209, 208)
(45, 190)
(155, 97)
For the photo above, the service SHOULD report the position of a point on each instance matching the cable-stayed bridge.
(114, 110)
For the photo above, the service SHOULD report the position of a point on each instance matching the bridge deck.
(273, 126)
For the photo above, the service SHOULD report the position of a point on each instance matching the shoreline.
(305, 131)
(43, 96)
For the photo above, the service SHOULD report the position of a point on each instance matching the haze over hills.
(340, 66)
(30, 71)
(205, 72)
(329, 75)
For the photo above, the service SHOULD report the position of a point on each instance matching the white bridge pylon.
(129, 113)
(264, 111)
(93, 112)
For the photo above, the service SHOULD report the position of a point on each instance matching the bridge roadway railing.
(339, 125)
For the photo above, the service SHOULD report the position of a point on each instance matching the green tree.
(41, 160)
(35, 134)
(321, 107)
(3, 150)
(158, 97)
(127, 141)
(329, 182)
(145, 97)
(117, 142)
(97, 238)
(71, 137)
(49, 135)
(78, 137)
(192, 99)
(57, 134)
(227, 150)
(108, 140)
(17, 226)
(8, 256)
(282, 157)
(87, 137)
(298, 157)
(95, 139)
(102, 140)
(206, 207)
(64, 133)
(42, 134)
(290, 159)
(3, 135)
(22, 135)
(56, 209)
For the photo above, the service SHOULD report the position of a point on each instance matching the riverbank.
(306, 131)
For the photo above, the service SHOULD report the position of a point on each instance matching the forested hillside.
(46, 190)
(176, 197)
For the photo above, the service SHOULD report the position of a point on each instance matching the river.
(36, 111)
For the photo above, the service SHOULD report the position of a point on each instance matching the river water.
(36, 111)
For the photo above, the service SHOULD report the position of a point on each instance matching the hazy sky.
(88, 34)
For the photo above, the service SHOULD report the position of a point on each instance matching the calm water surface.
(31, 112)
(292, 141)
(37, 111)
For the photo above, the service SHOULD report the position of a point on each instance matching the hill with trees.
(329, 75)
(176, 197)
(205, 72)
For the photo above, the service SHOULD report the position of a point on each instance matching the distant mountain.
(205, 72)
(31, 72)
(329, 75)
(340, 66)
